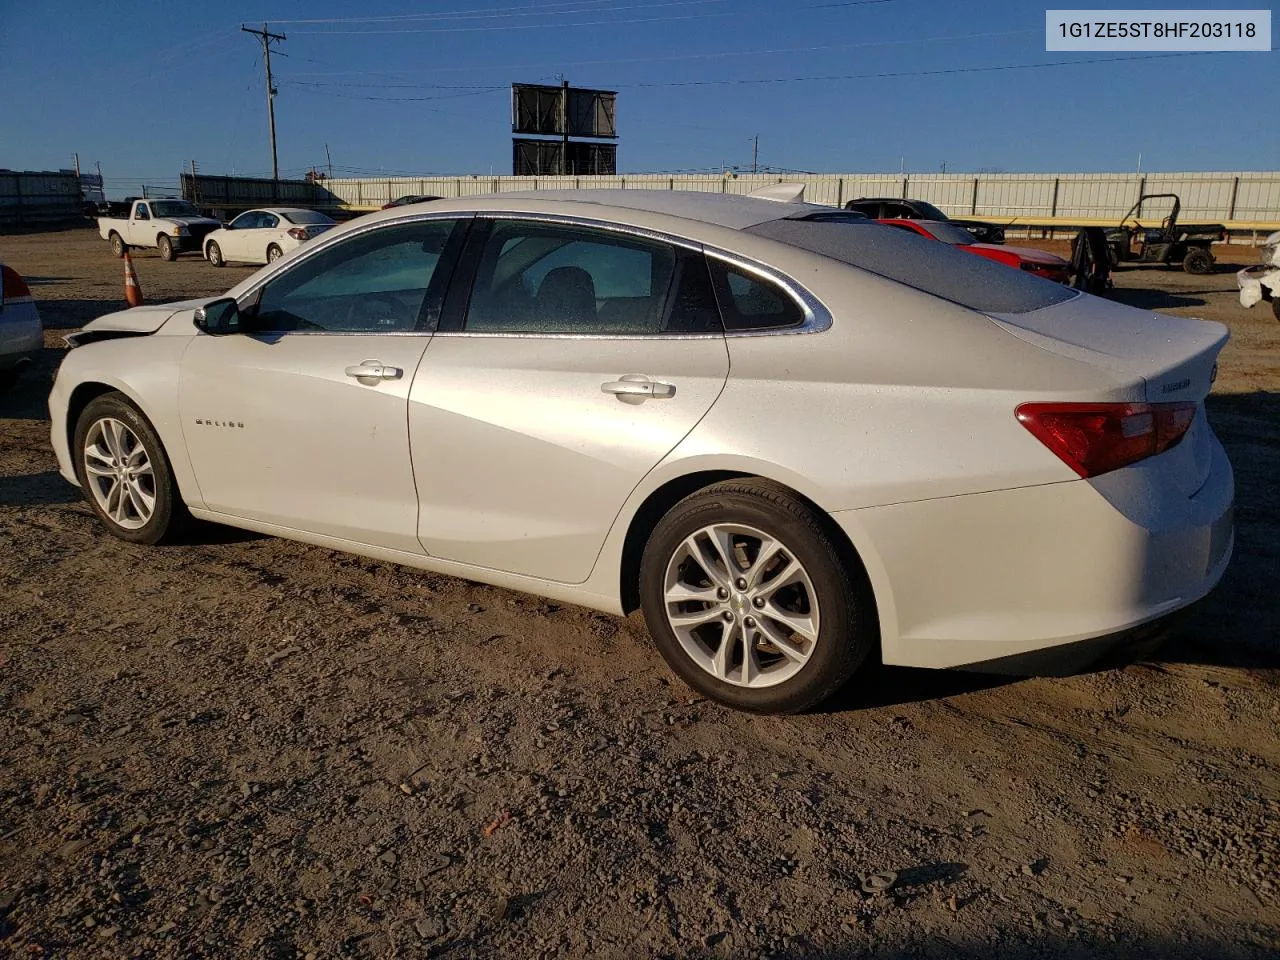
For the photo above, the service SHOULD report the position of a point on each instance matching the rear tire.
(1198, 260)
(274, 253)
(165, 246)
(131, 487)
(213, 253)
(808, 619)
(118, 246)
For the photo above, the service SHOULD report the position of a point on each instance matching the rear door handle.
(374, 370)
(636, 388)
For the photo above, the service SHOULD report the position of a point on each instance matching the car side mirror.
(220, 318)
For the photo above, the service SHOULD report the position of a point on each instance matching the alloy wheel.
(119, 473)
(743, 608)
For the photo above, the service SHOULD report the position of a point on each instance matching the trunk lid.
(1173, 359)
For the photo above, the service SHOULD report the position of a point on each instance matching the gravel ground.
(245, 747)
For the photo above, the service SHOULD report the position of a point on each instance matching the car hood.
(138, 320)
(192, 221)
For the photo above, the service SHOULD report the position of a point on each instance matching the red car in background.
(1042, 264)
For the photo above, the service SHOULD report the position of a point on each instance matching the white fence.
(1242, 200)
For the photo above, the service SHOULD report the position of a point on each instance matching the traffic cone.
(132, 292)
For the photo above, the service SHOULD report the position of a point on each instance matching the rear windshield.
(306, 216)
(936, 268)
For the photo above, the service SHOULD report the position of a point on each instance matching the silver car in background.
(21, 333)
(796, 439)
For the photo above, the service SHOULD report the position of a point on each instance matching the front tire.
(165, 245)
(1198, 260)
(124, 472)
(118, 246)
(213, 253)
(751, 600)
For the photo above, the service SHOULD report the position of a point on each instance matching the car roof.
(733, 211)
(280, 210)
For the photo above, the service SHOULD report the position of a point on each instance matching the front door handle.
(374, 370)
(635, 388)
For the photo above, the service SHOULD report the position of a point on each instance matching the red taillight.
(1093, 438)
(298, 233)
(13, 286)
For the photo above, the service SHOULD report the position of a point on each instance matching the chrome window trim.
(817, 318)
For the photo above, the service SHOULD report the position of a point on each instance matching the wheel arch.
(665, 496)
(94, 386)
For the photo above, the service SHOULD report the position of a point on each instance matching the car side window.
(268, 221)
(544, 278)
(749, 301)
(243, 222)
(897, 211)
(140, 212)
(388, 280)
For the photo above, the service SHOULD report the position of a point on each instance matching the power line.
(514, 26)
(906, 73)
(675, 57)
(506, 12)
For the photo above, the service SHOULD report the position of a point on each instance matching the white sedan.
(795, 439)
(264, 236)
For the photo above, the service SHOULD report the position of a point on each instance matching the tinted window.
(543, 278)
(173, 208)
(378, 282)
(915, 261)
(268, 221)
(949, 233)
(927, 211)
(140, 212)
(307, 216)
(869, 208)
(244, 221)
(751, 302)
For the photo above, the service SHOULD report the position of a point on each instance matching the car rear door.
(302, 422)
(570, 361)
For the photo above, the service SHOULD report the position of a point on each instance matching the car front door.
(301, 422)
(239, 236)
(139, 226)
(582, 358)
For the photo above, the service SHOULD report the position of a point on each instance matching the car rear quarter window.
(751, 302)
(935, 268)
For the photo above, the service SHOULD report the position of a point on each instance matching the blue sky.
(145, 86)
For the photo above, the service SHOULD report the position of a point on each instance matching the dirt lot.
(245, 747)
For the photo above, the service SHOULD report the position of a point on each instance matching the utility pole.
(755, 153)
(76, 157)
(564, 127)
(329, 160)
(265, 37)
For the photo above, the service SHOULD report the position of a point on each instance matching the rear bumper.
(990, 578)
(1257, 283)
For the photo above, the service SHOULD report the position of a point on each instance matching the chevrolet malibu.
(795, 439)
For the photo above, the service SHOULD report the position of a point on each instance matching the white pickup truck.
(171, 226)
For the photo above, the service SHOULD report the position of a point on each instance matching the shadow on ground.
(36, 489)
